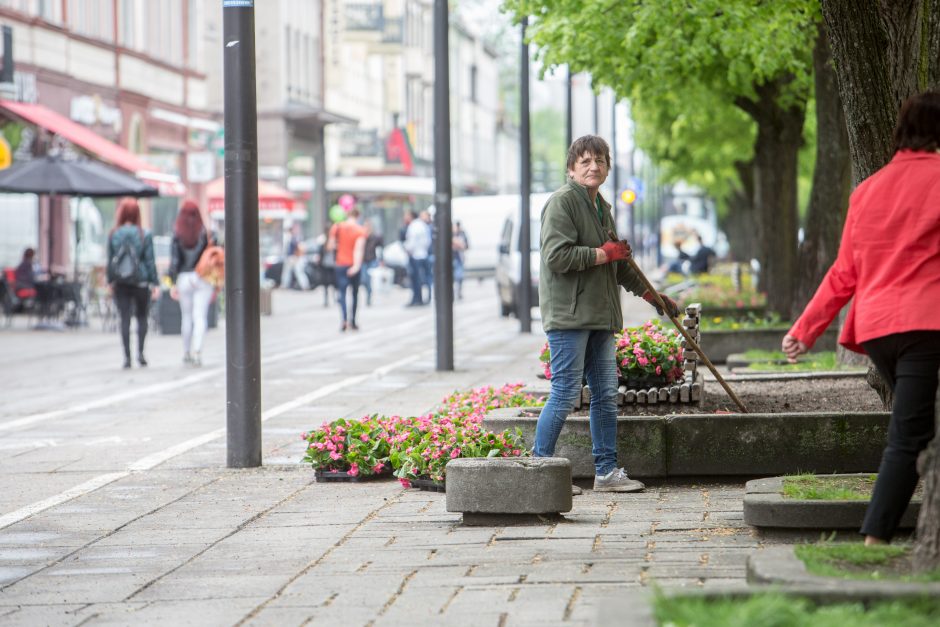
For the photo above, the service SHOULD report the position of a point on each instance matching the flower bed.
(647, 355)
(418, 447)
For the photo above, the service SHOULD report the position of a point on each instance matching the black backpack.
(124, 264)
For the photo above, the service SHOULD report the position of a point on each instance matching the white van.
(509, 262)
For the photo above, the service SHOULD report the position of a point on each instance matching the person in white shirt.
(417, 244)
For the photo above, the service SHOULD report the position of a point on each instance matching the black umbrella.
(54, 176)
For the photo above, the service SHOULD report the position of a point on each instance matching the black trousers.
(909, 363)
(127, 297)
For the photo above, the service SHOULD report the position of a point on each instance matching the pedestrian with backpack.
(131, 274)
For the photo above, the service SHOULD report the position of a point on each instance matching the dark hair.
(128, 212)
(188, 224)
(587, 143)
(919, 123)
(28, 254)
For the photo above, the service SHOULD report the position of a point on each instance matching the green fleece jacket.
(573, 292)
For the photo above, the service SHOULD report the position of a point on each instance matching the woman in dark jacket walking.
(191, 290)
(131, 274)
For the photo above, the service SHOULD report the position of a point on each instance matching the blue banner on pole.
(237, 3)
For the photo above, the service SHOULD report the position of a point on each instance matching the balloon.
(346, 201)
(337, 214)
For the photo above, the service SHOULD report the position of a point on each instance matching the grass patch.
(857, 561)
(776, 361)
(812, 487)
(742, 323)
(778, 610)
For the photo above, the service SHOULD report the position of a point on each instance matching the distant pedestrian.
(25, 275)
(348, 240)
(295, 264)
(701, 260)
(370, 257)
(190, 240)
(417, 243)
(131, 273)
(427, 266)
(582, 269)
(460, 244)
(888, 267)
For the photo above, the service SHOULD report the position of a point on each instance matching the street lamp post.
(443, 251)
(569, 110)
(524, 302)
(242, 306)
(616, 161)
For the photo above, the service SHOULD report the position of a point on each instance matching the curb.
(765, 506)
(780, 565)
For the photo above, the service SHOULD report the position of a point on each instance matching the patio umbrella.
(54, 176)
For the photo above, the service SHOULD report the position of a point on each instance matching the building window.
(92, 18)
(473, 83)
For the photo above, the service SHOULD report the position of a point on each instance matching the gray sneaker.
(575, 490)
(617, 481)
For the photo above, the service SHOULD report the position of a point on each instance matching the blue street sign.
(636, 184)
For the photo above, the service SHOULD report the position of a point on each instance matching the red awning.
(103, 149)
(273, 201)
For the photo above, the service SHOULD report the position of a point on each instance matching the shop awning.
(98, 146)
(274, 202)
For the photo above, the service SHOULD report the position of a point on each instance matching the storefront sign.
(90, 110)
(200, 167)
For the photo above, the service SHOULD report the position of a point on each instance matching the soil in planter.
(428, 485)
(824, 488)
(856, 561)
(771, 397)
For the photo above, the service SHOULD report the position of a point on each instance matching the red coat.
(889, 258)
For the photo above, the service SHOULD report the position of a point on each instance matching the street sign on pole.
(242, 305)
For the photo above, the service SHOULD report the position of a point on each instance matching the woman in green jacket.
(583, 265)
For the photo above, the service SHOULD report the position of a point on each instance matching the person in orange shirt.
(888, 265)
(348, 239)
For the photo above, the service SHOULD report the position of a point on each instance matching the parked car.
(509, 259)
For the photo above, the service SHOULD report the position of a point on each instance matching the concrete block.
(695, 392)
(763, 444)
(684, 393)
(663, 395)
(585, 396)
(629, 396)
(641, 397)
(509, 485)
(652, 396)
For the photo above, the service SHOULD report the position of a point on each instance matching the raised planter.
(719, 344)
(720, 444)
(635, 607)
(765, 506)
(325, 476)
(780, 565)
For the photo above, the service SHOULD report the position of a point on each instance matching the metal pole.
(524, 307)
(242, 306)
(443, 251)
(569, 109)
(616, 161)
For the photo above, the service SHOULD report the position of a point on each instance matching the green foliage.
(856, 561)
(749, 321)
(686, 67)
(811, 487)
(776, 361)
(778, 610)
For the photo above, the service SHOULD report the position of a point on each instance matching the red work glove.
(670, 304)
(616, 251)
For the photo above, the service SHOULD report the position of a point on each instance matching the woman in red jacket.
(889, 262)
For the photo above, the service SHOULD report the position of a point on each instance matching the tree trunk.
(779, 136)
(741, 222)
(885, 51)
(829, 197)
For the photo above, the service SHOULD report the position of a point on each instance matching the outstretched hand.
(793, 348)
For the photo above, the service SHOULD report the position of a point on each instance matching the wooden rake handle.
(685, 334)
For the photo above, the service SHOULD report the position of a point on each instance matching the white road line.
(167, 386)
(152, 461)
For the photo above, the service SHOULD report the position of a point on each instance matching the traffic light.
(628, 196)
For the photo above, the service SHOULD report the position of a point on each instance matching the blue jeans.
(576, 353)
(343, 281)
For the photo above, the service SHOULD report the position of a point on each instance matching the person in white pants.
(194, 294)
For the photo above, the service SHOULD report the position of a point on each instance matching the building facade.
(131, 71)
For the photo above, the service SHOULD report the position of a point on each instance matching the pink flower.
(404, 483)
(455, 453)
(334, 455)
(642, 361)
(353, 470)
(659, 370)
(364, 437)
